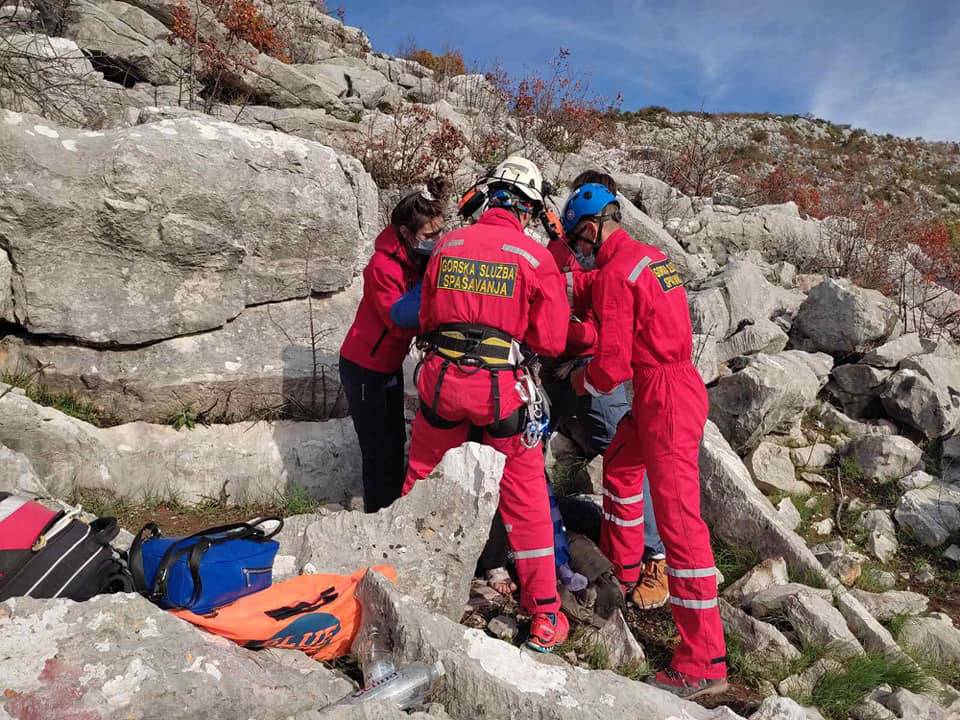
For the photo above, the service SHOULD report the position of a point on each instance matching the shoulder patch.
(478, 277)
(666, 274)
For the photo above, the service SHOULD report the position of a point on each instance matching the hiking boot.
(686, 687)
(547, 630)
(651, 590)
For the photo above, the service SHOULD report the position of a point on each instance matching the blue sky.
(886, 65)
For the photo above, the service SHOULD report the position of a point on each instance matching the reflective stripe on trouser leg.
(621, 530)
(525, 508)
(669, 445)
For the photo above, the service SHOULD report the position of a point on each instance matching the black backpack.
(47, 554)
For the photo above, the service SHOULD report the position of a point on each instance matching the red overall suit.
(644, 330)
(491, 274)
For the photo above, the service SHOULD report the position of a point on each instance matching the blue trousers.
(600, 417)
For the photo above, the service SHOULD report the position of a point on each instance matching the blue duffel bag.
(206, 570)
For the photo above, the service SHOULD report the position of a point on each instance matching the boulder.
(769, 572)
(17, 475)
(891, 353)
(836, 421)
(6, 285)
(763, 336)
(915, 400)
(705, 357)
(819, 624)
(351, 77)
(275, 359)
(931, 513)
(247, 462)
(432, 536)
(117, 656)
(182, 245)
(486, 677)
(708, 312)
(767, 395)
(780, 708)
(818, 455)
(773, 470)
(908, 704)
(887, 605)
(748, 295)
(803, 683)
(935, 635)
(788, 514)
(916, 480)
(125, 40)
(622, 648)
(873, 636)
(759, 639)
(881, 540)
(840, 318)
(856, 387)
(772, 600)
(883, 457)
(738, 512)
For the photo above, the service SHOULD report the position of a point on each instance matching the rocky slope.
(164, 265)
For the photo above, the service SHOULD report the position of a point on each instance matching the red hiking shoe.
(547, 630)
(687, 687)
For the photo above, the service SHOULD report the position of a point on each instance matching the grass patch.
(733, 562)
(754, 668)
(634, 671)
(838, 693)
(67, 402)
(871, 578)
(946, 671)
(896, 623)
(297, 501)
(186, 416)
(850, 469)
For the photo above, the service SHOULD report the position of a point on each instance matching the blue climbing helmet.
(587, 201)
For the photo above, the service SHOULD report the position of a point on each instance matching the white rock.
(770, 572)
(883, 458)
(789, 514)
(814, 456)
(773, 470)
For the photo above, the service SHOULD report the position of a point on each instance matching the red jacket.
(641, 309)
(374, 341)
(492, 274)
(581, 334)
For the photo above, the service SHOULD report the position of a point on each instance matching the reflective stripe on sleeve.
(506, 247)
(538, 553)
(625, 500)
(621, 522)
(508, 528)
(691, 573)
(9, 505)
(569, 277)
(635, 273)
(693, 604)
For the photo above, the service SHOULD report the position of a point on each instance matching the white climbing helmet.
(521, 174)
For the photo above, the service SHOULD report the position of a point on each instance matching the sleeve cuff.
(590, 388)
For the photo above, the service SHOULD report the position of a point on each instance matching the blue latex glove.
(405, 312)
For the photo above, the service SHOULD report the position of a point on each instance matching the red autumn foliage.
(445, 65)
(782, 185)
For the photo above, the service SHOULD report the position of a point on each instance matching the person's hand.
(577, 379)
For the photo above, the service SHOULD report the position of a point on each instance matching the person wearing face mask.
(372, 354)
(491, 297)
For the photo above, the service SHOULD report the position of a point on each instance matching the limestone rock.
(17, 475)
(621, 646)
(251, 463)
(767, 395)
(173, 255)
(856, 388)
(788, 514)
(818, 623)
(489, 678)
(931, 513)
(883, 458)
(773, 599)
(646, 230)
(738, 512)
(274, 358)
(773, 470)
(916, 480)
(705, 358)
(917, 401)
(6, 284)
(442, 524)
(802, 684)
(840, 318)
(757, 638)
(891, 353)
(763, 336)
(748, 295)
(708, 312)
(908, 704)
(770, 572)
(818, 455)
(935, 634)
(503, 627)
(887, 605)
(780, 708)
(871, 710)
(881, 539)
(873, 636)
(118, 656)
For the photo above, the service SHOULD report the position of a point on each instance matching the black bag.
(49, 554)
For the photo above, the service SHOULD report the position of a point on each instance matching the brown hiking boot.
(651, 590)
(686, 687)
